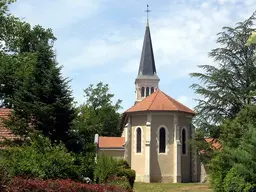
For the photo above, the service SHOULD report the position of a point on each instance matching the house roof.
(4, 132)
(147, 61)
(111, 142)
(159, 101)
(213, 142)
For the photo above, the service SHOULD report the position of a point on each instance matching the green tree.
(43, 102)
(233, 130)
(98, 114)
(231, 85)
(234, 168)
(15, 67)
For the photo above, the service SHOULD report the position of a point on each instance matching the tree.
(231, 85)
(43, 102)
(98, 114)
(15, 67)
(234, 167)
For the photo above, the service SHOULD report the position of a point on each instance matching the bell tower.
(147, 80)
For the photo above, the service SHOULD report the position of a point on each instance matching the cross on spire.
(147, 13)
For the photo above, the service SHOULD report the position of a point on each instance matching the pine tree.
(43, 103)
(230, 86)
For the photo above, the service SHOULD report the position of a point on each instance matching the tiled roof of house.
(111, 142)
(213, 142)
(4, 132)
(159, 101)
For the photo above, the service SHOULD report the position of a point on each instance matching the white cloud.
(183, 32)
(55, 14)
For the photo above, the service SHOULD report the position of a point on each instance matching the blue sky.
(101, 40)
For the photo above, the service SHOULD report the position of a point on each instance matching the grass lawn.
(171, 187)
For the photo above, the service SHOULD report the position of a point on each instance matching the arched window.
(152, 90)
(183, 141)
(138, 140)
(162, 138)
(147, 91)
(142, 91)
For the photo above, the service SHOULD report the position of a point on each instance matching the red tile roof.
(111, 142)
(159, 101)
(4, 132)
(213, 142)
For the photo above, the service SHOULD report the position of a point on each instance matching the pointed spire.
(147, 61)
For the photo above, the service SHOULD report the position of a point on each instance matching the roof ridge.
(168, 97)
(154, 99)
(111, 136)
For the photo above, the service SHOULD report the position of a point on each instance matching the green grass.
(171, 187)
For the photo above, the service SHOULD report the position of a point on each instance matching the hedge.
(65, 185)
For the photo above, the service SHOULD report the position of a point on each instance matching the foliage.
(41, 160)
(121, 182)
(31, 81)
(44, 101)
(85, 164)
(67, 185)
(235, 165)
(109, 167)
(106, 166)
(4, 178)
(98, 115)
(129, 174)
(233, 130)
(231, 85)
(122, 163)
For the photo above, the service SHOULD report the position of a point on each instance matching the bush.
(129, 174)
(4, 178)
(85, 164)
(109, 167)
(121, 182)
(105, 167)
(67, 185)
(123, 163)
(41, 160)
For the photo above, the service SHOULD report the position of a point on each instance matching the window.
(183, 141)
(142, 91)
(152, 90)
(162, 139)
(138, 140)
(147, 91)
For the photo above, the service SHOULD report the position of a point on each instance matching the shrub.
(123, 163)
(41, 159)
(105, 167)
(121, 182)
(85, 164)
(129, 174)
(67, 185)
(4, 178)
(109, 167)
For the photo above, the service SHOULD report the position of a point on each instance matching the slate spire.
(147, 61)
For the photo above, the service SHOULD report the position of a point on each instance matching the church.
(156, 131)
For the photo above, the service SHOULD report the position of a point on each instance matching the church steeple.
(147, 80)
(147, 61)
